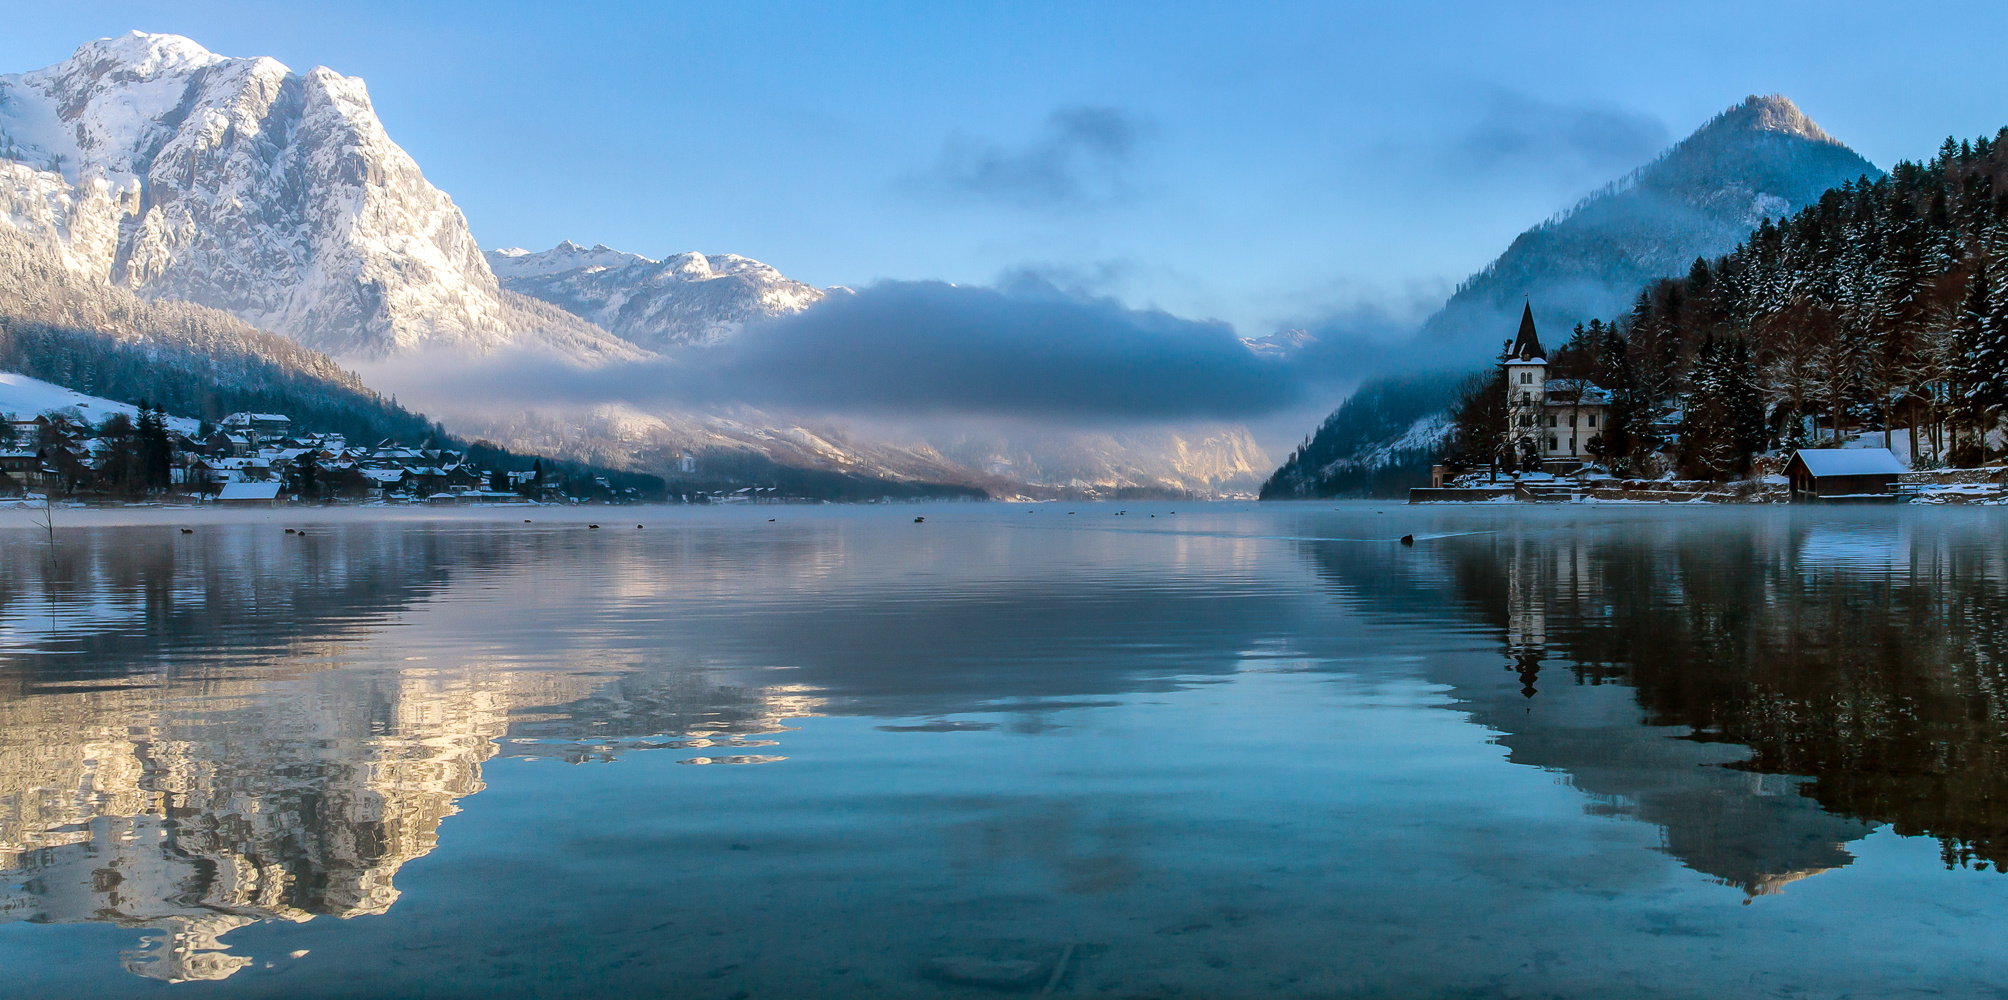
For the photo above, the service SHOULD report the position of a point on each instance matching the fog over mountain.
(902, 378)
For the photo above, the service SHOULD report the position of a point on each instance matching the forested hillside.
(191, 360)
(1379, 442)
(1883, 307)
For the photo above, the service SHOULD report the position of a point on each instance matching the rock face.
(242, 185)
(690, 298)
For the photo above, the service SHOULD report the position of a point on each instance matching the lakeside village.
(1551, 447)
(253, 458)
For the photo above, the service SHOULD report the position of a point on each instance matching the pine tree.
(1708, 425)
(154, 452)
(1744, 394)
(1622, 441)
(1478, 425)
(118, 466)
(1979, 353)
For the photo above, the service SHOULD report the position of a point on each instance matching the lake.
(1155, 750)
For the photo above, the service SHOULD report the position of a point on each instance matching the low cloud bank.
(928, 347)
(907, 350)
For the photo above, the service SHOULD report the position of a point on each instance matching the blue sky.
(1266, 165)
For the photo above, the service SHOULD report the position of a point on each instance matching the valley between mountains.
(253, 222)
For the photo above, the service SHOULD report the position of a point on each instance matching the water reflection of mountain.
(196, 734)
(1863, 654)
(197, 808)
(170, 757)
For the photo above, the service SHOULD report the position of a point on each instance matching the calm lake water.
(1183, 751)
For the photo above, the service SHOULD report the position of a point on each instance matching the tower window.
(1526, 378)
(1593, 420)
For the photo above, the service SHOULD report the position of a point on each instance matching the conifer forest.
(1881, 309)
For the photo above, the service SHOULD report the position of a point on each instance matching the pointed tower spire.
(1526, 346)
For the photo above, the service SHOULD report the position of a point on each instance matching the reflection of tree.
(1868, 660)
(1884, 681)
(119, 602)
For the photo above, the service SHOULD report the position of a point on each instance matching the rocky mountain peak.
(1770, 113)
(155, 164)
(684, 299)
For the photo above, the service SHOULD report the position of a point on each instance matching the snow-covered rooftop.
(249, 491)
(1850, 461)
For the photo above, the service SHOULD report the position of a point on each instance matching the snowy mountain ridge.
(1774, 113)
(688, 298)
(159, 166)
(1699, 198)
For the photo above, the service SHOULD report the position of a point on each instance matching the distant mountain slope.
(238, 184)
(1761, 159)
(749, 446)
(690, 298)
(1380, 441)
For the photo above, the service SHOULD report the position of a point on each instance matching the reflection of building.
(1538, 575)
(1526, 622)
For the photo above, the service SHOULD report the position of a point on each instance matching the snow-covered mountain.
(1761, 158)
(690, 298)
(239, 184)
(151, 165)
(1700, 198)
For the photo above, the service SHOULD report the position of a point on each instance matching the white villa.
(1556, 418)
